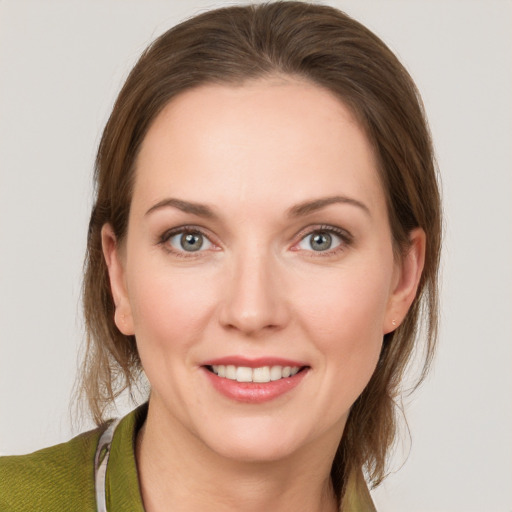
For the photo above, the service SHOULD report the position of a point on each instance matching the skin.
(256, 288)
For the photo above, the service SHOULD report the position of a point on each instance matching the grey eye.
(320, 241)
(189, 242)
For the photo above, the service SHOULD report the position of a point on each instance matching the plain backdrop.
(61, 65)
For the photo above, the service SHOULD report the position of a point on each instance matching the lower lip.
(254, 392)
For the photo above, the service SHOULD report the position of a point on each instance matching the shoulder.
(59, 478)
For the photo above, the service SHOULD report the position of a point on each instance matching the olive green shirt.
(61, 478)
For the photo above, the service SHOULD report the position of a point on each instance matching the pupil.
(321, 241)
(191, 241)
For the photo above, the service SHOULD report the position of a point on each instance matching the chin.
(256, 451)
(258, 440)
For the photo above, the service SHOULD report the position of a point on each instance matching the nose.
(254, 299)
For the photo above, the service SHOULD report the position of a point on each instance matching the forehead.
(250, 142)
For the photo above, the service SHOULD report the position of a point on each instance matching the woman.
(265, 236)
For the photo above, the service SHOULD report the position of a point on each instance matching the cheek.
(170, 309)
(350, 301)
(344, 315)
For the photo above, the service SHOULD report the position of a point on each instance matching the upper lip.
(253, 362)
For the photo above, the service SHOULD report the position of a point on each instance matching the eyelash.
(182, 230)
(345, 237)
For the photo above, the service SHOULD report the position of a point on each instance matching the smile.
(261, 374)
(254, 380)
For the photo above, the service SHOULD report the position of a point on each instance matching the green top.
(61, 478)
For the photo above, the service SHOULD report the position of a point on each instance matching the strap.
(100, 465)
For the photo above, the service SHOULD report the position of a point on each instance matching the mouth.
(261, 374)
(254, 381)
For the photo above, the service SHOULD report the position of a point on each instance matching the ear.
(406, 280)
(115, 264)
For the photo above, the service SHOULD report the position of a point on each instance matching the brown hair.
(328, 48)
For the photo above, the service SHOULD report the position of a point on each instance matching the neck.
(175, 467)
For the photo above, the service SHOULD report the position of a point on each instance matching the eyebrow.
(299, 210)
(185, 206)
(308, 207)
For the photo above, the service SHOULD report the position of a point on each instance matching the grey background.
(61, 65)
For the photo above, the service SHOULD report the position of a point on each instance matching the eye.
(321, 240)
(187, 241)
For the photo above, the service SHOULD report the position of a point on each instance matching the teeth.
(230, 372)
(276, 372)
(243, 374)
(261, 374)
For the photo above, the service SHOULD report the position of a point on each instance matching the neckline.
(122, 479)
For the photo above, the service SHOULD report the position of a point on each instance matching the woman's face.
(257, 272)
